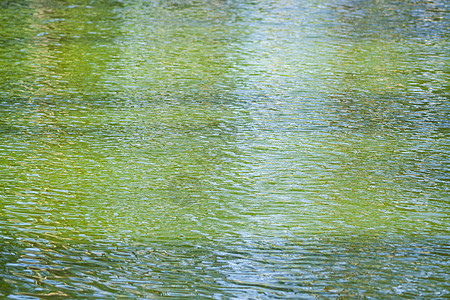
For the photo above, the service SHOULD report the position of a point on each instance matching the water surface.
(224, 149)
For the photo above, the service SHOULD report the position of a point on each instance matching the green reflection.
(263, 149)
(126, 123)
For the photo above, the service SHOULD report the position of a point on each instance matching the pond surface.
(224, 149)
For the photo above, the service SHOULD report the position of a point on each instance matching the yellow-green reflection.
(228, 149)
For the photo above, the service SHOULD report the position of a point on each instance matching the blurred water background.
(224, 149)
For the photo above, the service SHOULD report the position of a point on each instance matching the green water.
(224, 149)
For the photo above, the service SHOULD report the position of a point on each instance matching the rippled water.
(224, 149)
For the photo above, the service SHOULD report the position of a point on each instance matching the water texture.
(224, 149)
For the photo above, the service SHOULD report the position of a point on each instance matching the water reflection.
(216, 149)
(256, 268)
